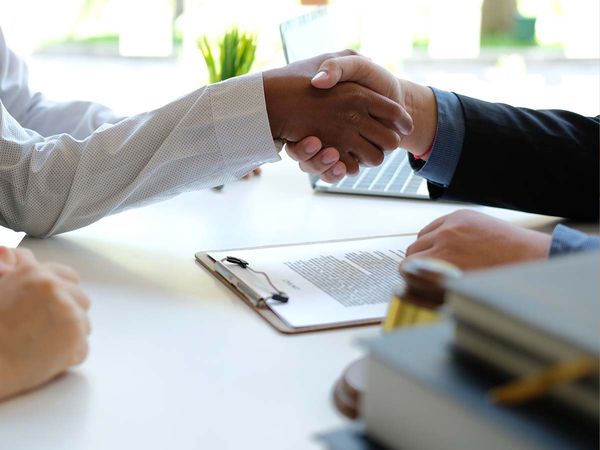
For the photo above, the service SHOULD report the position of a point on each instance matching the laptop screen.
(306, 36)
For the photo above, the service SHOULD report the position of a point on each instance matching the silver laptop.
(307, 36)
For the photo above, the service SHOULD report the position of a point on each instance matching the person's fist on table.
(43, 321)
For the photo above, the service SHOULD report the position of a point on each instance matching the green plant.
(235, 55)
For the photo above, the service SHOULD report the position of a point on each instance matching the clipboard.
(204, 259)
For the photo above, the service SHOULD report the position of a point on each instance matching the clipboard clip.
(278, 295)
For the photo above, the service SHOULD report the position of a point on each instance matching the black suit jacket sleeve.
(544, 162)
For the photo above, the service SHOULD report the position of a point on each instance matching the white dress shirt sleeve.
(66, 165)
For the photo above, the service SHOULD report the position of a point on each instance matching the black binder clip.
(278, 295)
(239, 261)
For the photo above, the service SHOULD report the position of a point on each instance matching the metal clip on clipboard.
(256, 299)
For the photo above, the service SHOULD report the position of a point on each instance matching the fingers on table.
(432, 226)
(24, 256)
(422, 244)
(79, 297)
(65, 272)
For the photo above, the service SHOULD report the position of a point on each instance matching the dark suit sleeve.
(541, 161)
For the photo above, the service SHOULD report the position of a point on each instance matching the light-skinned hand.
(43, 321)
(472, 240)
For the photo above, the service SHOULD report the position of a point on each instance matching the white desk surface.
(179, 362)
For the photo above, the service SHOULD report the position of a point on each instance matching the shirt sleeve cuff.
(567, 240)
(241, 123)
(448, 141)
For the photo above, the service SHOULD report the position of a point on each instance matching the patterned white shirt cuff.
(241, 123)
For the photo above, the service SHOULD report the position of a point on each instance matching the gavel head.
(426, 280)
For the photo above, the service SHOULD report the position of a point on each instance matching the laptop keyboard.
(393, 176)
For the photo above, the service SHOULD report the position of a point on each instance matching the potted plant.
(235, 55)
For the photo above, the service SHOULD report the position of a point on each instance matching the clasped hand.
(341, 105)
(43, 321)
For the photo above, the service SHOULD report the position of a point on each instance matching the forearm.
(420, 104)
(58, 183)
(494, 154)
(439, 166)
(538, 161)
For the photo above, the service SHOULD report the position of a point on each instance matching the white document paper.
(328, 282)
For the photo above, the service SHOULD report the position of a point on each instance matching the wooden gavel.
(418, 301)
(423, 293)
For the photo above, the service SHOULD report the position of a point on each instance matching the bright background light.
(135, 55)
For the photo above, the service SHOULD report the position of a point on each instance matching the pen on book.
(536, 385)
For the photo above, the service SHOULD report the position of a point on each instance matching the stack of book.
(429, 386)
(526, 322)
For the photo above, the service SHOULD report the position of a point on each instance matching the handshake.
(339, 110)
